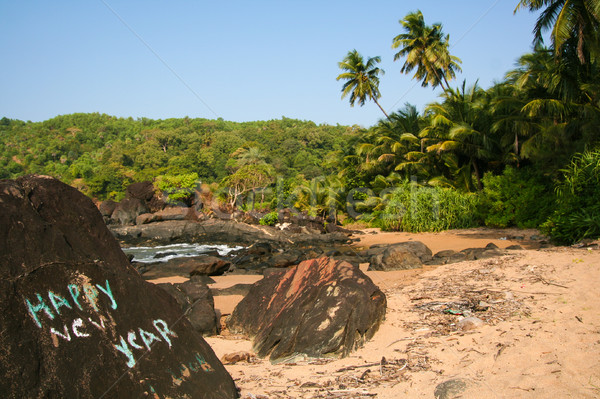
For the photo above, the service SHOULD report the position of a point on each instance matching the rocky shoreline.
(144, 218)
(267, 247)
(304, 293)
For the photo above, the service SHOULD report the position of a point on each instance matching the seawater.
(164, 253)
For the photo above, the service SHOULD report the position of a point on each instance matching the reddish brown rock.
(321, 307)
(203, 265)
(238, 357)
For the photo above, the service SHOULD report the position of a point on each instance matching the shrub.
(270, 219)
(178, 188)
(577, 215)
(516, 198)
(417, 208)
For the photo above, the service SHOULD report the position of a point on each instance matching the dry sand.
(540, 337)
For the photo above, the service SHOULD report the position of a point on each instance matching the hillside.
(103, 154)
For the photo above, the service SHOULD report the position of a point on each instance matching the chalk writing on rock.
(80, 295)
(90, 293)
(147, 338)
(185, 370)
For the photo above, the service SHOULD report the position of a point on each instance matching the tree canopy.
(362, 79)
(487, 152)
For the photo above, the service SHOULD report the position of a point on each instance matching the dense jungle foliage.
(523, 152)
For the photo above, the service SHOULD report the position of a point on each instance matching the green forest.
(524, 152)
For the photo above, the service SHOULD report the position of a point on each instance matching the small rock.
(236, 357)
(237, 289)
(482, 306)
(470, 323)
(145, 218)
(514, 247)
(450, 389)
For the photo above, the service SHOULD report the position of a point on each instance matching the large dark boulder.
(107, 208)
(142, 190)
(202, 265)
(128, 210)
(400, 256)
(447, 256)
(196, 301)
(140, 199)
(321, 307)
(210, 266)
(77, 320)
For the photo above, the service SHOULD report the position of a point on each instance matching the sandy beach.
(540, 335)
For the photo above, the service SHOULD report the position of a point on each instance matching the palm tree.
(251, 156)
(386, 145)
(321, 196)
(426, 49)
(557, 112)
(462, 124)
(362, 80)
(509, 123)
(568, 20)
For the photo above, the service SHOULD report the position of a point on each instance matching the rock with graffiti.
(76, 320)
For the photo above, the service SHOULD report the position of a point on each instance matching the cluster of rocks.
(145, 208)
(415, 254)
(217, 231)
(261, 257)
(303, 307)
(72, 306)
(140, 199)
(68, 294)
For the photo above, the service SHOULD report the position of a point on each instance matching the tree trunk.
(382, 110)
(447, 84)
(477, 176)
(437, 76)
(580, 43)
(517, 149)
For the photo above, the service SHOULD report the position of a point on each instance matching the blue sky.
(238, 60)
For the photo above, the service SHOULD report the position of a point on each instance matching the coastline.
(540, 337)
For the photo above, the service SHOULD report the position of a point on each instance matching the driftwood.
(349, 368)
(543, 280)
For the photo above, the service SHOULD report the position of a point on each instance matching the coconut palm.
(558, 114)
(386, 145)
(251, 156)
(321, 196)
(510, 124)
(540, 76)
(577, 20)
(427, 50)
(462, 123)
(362, 80)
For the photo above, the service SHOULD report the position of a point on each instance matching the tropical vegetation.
(524, 152)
